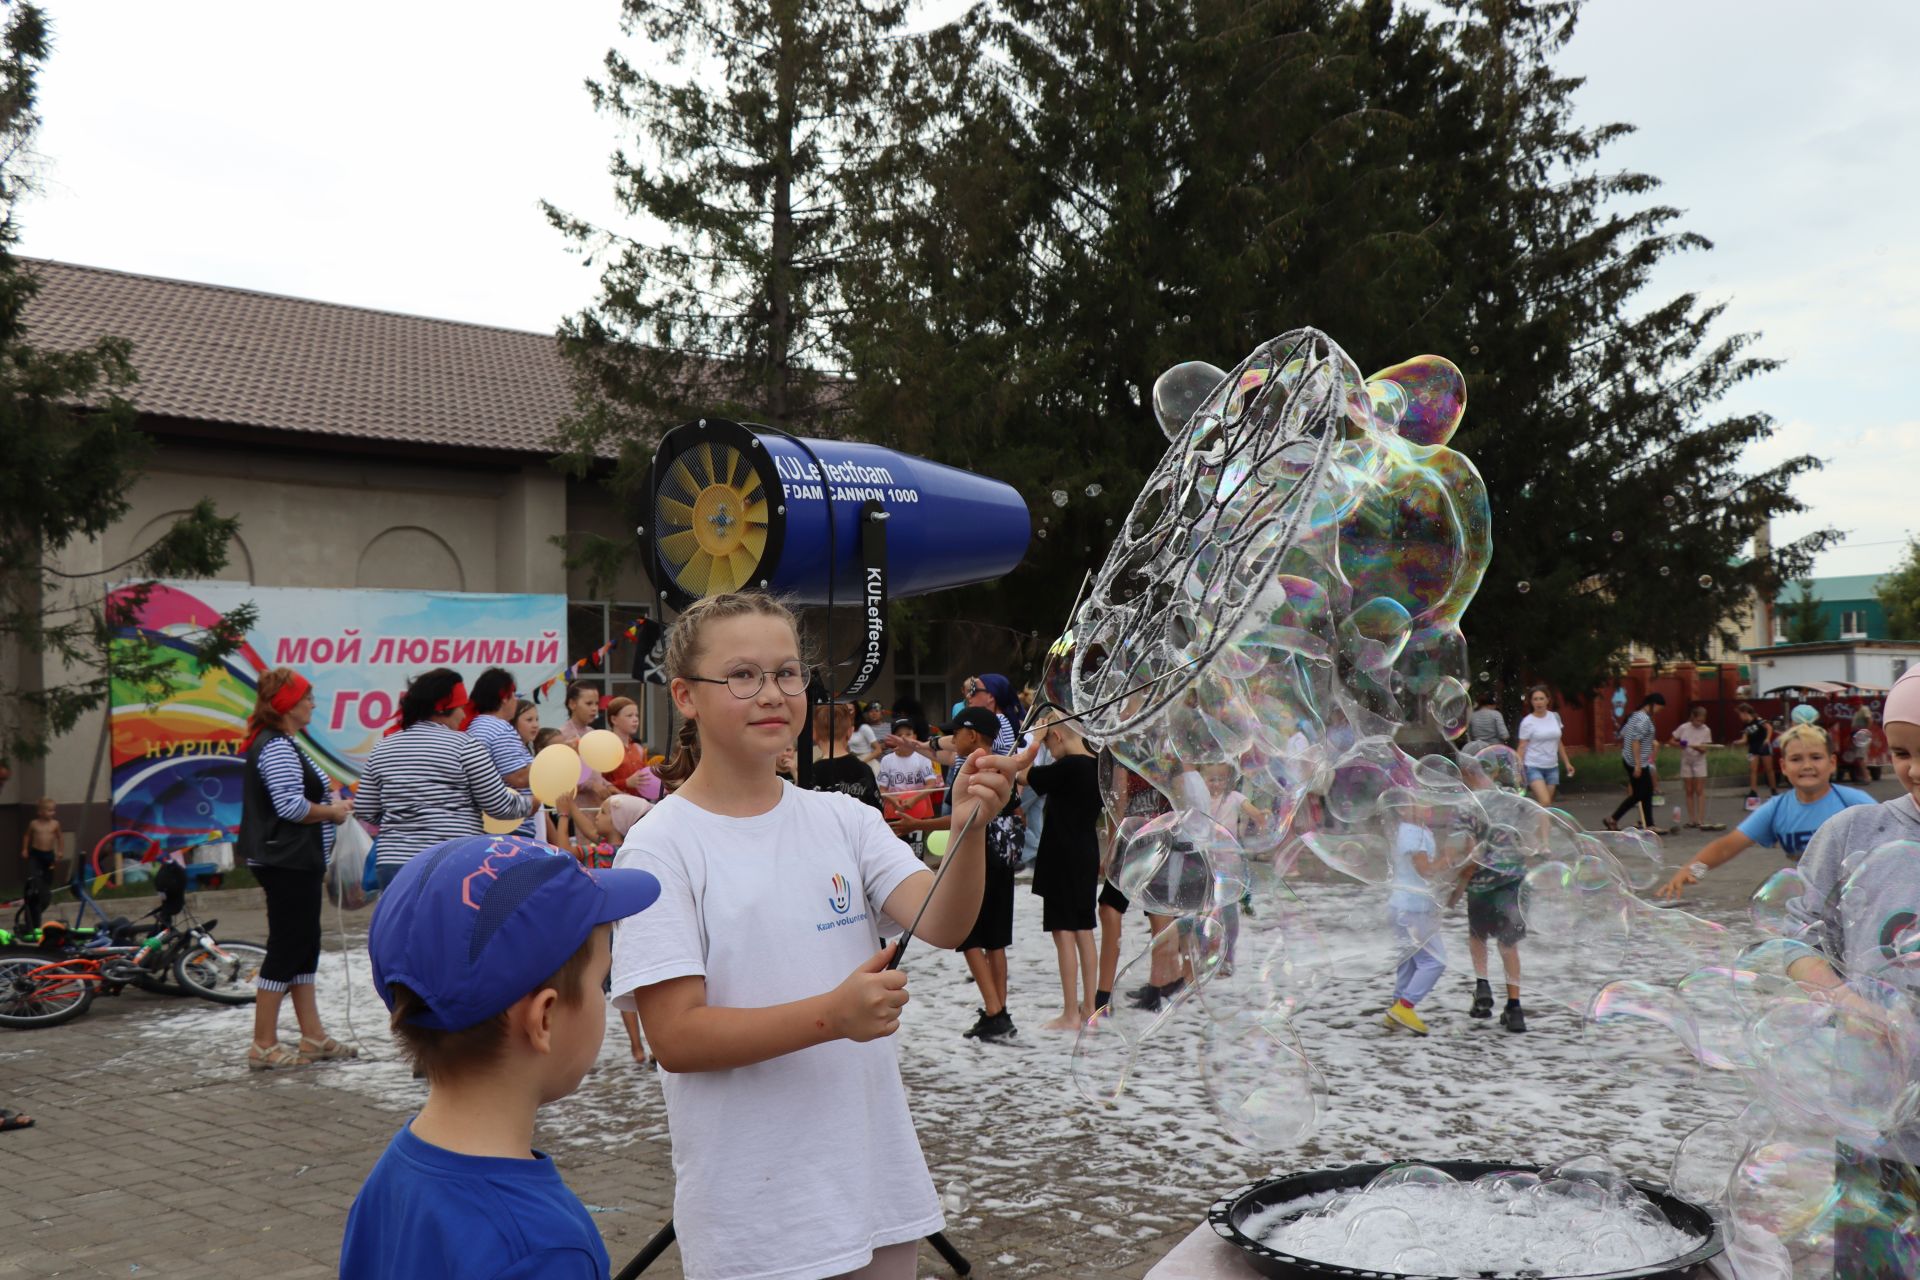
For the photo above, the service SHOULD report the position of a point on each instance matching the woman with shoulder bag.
(287, 819)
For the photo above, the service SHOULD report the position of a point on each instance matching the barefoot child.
(760, 979)
(41, 848)
(490, 952)
(1066, 867)
(1789, 820)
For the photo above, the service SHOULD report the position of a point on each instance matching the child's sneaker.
(1511, 1018)
(1482, 999)
(1403, 1015)
(1753, 801)
(979, 1026)
(999, 1028)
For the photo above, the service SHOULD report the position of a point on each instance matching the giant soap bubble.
(1271, 660)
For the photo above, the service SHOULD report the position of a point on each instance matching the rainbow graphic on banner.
(177, 756)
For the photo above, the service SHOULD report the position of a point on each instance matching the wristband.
(1698, 870)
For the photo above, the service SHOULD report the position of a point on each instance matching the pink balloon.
(586, 774)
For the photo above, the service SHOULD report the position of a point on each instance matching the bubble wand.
(967, 826)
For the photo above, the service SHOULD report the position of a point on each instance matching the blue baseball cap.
(475, 923)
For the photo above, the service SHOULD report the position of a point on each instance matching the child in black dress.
(1066, 868)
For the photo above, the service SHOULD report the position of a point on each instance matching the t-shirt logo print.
(842, 897)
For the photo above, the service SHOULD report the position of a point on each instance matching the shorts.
(1550, 776)
(1112, 897)
(993, 929)
(1693, 765)
(1066, 913)
(1494, 912)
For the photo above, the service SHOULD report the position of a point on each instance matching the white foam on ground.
(1006, 1120)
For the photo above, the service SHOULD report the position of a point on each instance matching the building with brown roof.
(359, 448)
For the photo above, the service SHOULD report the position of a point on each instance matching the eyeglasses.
(745, 682)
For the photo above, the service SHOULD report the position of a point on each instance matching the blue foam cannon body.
(738, 505)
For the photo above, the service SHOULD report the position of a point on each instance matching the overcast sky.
(393, 155)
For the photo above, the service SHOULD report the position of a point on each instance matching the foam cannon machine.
(821, 522)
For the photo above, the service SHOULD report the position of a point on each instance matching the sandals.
(276, 1058)
(328, 1050)
(11, 1120)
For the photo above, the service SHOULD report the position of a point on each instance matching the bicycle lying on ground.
(55, 977)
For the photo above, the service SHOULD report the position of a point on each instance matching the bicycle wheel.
(222, 972)
(36, 999)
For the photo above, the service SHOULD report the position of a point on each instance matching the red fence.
(1590, 722)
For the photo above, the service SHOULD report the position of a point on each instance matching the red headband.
(290, 693)
(456, 698)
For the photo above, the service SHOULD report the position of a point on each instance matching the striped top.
(426, 784)
(1636, 739)
(282, 763)
(508, 753)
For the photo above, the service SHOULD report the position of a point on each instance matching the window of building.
(923, 677)
(591, 624)
(1853, 624)
(1899, 668)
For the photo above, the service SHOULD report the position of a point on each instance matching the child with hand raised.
(760, 979)
(1790, 819)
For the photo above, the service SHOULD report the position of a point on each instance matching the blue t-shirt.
(426, 1212)
(1786, 822)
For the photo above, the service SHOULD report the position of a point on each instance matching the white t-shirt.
(1540, 740)
(913, 773)
(1697, 736)
(800, 1166)
(864, 738)
(1411, 890)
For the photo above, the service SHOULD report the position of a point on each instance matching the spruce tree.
(68, 476)
(1899, 595)
(1621, 508)
(1117, 188)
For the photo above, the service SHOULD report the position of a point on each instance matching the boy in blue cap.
(492, 954)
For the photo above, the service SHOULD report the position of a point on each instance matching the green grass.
(1605, 771)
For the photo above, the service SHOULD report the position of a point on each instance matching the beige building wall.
(314, 519)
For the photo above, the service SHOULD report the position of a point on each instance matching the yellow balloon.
(602, 750)
(555, 773)
(937, 843)
(500, 826)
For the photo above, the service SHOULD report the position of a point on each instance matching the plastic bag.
(347, 879)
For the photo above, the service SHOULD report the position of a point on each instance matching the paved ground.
(157, 1154)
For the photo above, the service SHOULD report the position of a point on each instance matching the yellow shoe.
(1402, 1016)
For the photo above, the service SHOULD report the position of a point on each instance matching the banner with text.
(176, 762)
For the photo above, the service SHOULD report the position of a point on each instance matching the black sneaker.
(979, 1027)
(1141, 993)
(1482, 1000)
(1511, 1018)
(1147, 997)
(999, 1030)
(1102, 999)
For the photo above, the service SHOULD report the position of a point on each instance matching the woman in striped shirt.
(426, 781)
(492, 705)
(287, 818)
(1637, 745)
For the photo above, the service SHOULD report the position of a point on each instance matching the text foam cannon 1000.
(821, 522)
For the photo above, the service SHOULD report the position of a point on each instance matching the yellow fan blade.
(672, 511)
(678, 548)
(679, 481)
